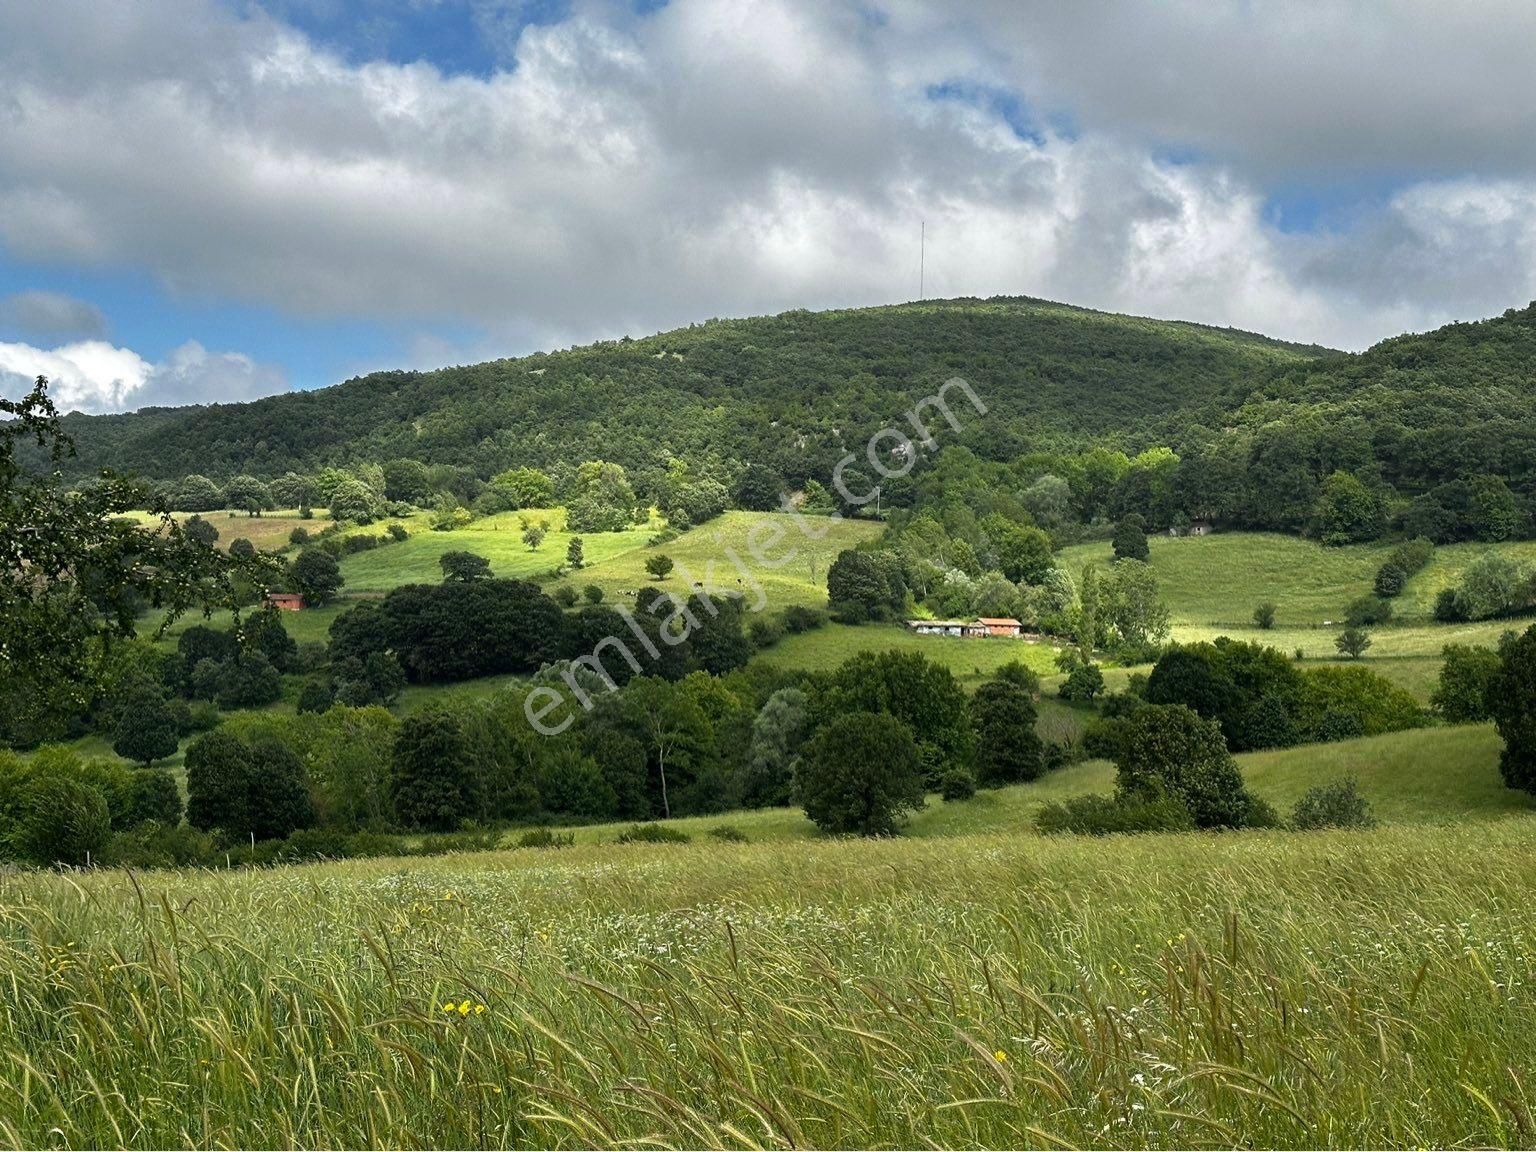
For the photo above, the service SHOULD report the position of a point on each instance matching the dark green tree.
(573, 555)
(659, 567)
(861, 773)
(1007, 749)
(1512, 701)
(464, 566)
(1170, 750)
(1467, 674)
(218, 783)
(146, 727)
(1130, 539)
(1353, 642)
(431, 780)
(153, 795)
(316, 576)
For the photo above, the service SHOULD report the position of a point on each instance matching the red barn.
(285, 601)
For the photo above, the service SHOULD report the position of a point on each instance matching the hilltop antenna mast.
(922, 256)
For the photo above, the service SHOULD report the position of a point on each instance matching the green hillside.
(788, 389)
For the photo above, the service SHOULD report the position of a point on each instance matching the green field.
(959, 987)
(971, 661)
(269, 531)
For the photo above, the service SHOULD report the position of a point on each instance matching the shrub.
(729, 833)
(1390, 580)
(546, 838)
(153, 795)
(764, 632)
(464, 566)
(1093, 815)
(659, 566)
(592, 594)
(1467, 673)
(565, 596)
(398, 532)
(1378, 704)
(1334, 805)
(860, 773)
(798, 618)
(957, 784)
(317, 695)
(1449, 607)
(1368, 610)
(65, 822)
(299, 536)
(1337, 725)
(1264, 615)
(652, 834)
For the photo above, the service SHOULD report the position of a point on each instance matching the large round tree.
(860, 773)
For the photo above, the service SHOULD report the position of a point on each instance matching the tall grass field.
(1258, 989)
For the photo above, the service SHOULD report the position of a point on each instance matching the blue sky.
(206, 200)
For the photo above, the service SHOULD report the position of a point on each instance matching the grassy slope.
(1261, 989)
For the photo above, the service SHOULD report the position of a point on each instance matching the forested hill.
(786, 391)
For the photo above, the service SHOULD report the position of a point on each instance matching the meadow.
(1007, 990)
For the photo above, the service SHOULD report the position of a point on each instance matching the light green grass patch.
(970, 660)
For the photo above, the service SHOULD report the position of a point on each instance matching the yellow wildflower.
(1002, 1057)
(464, 1008)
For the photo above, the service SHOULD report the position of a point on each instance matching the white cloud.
(713, 157)
(95, 376)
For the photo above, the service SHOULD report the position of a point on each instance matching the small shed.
(1199, 527)
(285, 601)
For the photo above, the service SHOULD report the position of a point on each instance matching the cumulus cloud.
(632, 172)
(95, 376)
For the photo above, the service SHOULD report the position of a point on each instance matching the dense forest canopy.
(784, 390)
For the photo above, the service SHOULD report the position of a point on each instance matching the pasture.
(985, 989)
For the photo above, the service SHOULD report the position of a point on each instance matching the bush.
(153, 796)
(65, 822)
(1264, 616)
(1368, 610)
(764, 632)
(729, 833)
(860, 773)
(299, 536)
(1338, 725)
(1390, 580)
(1449, 608)
(565, 596)
(1376, 702)
(957, 784)
(1335, 805)
(798, 618)
(397, 532)
(1093, 815)
(592, 594)
(652, 834)
(317, 695)
(546, 838)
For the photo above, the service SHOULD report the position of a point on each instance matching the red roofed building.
(285, 601)
(1001, 625)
